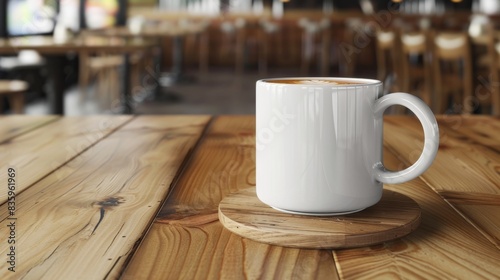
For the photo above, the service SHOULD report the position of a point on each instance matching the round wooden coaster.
(395, 215)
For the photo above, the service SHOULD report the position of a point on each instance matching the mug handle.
(431, 134)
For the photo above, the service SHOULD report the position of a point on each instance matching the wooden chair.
(452, 70)
(28, 66)
(104, 70)
(14, 91)
(416, 66)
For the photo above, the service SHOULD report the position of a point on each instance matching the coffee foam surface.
(316, 82)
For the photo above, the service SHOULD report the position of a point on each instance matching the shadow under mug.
(319, 143)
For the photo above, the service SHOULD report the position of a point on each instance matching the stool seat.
(14, 90)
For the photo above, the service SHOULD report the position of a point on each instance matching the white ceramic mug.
(319, 143)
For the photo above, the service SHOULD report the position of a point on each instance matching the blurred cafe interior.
(80, 57)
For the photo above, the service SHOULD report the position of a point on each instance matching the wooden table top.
(154, 31)
(136, 197)
(47, 44)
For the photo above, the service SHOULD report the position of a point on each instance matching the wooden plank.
(188, 241)
(437, 249)
(199, 247)
(466, 166)
(445, 246)
(15, 125)
(225, 163)
(87, 218)
(40, 152)
(478, 129)
(485, 217)
(456, 153)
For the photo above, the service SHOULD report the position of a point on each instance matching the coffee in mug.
(319, 143)
(313, 81)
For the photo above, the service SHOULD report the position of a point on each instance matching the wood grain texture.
(199, 247)
(444, 246)
(394, 216)
(47, 44)
(473, 166)
(87, 218)
(481, 210)
(188, 242)
(482, 129)
(42, 151)
(15, 125)
(224, 163)
(466, 169)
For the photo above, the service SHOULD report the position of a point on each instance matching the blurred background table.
(136, 197)
(55, 50)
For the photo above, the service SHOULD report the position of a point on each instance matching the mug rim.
(356, 82)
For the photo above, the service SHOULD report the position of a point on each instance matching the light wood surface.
(445, 245)
(15, 125)
(47, 44)
(85, 218)
(40, 152)
(154, 31)
(92, 213)
(394, 216)
(465, 173)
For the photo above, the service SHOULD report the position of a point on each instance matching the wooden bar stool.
(484, 38)
(314, 33)
(326, 44)
(348, 52)
(495, 75)
(452, 70)
(198, 38)
(388, 59)
(203, 39)
(14, 91)
(235, 39)
(416, 66)
(480, 33)
(268, 30)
